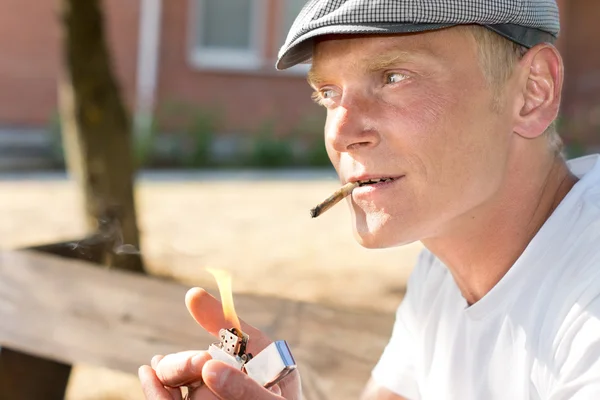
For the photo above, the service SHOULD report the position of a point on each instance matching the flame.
(224, 283)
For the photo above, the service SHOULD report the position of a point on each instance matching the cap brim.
(300, 50)
(522, 35)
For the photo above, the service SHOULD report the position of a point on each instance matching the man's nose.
(351, 125)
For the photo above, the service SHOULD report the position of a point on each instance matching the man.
(456, 101)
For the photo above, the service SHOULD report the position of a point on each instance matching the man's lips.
(372, 191)
(364, 181)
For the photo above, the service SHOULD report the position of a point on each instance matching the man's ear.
(540, 82)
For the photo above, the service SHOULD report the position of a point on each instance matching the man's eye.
(327, 93)
(322, 96)
(394, 77)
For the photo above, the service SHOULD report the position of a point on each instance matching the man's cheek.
(433, 114)
(334, 156)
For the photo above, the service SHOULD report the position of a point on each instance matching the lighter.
(267, 368)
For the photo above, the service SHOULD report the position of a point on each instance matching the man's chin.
(378, 229)
(372, 240)
(383, 236)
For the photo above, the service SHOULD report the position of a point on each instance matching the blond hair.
(498, 57)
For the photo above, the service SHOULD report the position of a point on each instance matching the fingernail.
(222, 382)
(209, 375)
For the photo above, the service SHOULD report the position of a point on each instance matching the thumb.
(229, 383)
(208, 312)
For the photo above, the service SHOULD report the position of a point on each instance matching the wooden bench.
(56, 312)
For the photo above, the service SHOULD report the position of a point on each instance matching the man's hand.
(206, 378)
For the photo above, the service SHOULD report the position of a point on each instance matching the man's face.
(415, 108)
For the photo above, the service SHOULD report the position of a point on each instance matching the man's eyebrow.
(388, 59)
(314, 78)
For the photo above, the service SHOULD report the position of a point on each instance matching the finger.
(155, 360)
(175, 392)
(229, 383)
(153, 389)
(202, 393)
(181, 369)
(291, 383)
(208, 312)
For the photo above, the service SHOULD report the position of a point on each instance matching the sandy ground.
(259, 229)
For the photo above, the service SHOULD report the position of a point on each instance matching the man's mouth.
(375, 181)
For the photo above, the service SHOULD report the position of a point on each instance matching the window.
(291, 9)
(228, 34)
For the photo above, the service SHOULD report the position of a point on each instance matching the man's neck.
(481, 248)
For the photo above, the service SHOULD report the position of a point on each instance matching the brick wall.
(30, 62)
(581, 51)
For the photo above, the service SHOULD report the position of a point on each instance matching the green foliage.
(574, 148)
(270, 151)
(199, 137)
(191, 143)
(317, 156)
(310, 132)
(192, 146)
(143, 142)
(189, 146)
(570, 130)
(57, 152)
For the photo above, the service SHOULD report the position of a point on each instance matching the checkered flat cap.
(526, 22)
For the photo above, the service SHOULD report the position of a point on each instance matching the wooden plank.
(17, 369)
(74, 312)
(25, 377)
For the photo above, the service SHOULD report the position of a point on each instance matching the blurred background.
(164, 126)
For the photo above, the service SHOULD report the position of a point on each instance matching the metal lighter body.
(267, 368)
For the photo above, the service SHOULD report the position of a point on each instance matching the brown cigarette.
(332, 200)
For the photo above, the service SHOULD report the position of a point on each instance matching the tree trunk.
(97, 134)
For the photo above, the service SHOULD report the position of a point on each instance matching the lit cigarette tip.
(332, 200)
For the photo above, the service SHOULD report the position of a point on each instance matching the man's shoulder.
(582, 165)
(569, 247)
(568, 328)
(587, 190)
(562, 298)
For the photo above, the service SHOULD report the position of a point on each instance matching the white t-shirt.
(535, 335)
